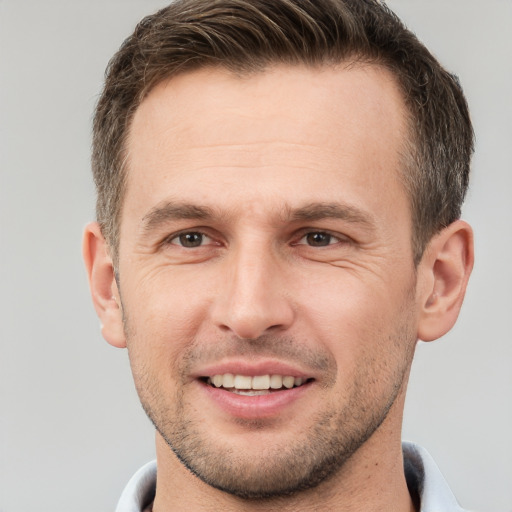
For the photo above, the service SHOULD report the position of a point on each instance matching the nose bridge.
(255, 299)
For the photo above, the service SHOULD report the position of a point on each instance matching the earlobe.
(444, 272)
(103, 286)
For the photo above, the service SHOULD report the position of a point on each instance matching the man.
(279, 192)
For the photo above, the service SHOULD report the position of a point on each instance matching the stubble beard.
(282, 469)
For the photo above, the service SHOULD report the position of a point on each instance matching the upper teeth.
(228, 380)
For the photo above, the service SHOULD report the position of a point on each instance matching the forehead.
(232, 139)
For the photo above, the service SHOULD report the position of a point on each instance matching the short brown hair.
(246, 36)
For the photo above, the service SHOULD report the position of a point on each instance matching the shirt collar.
(424, 477)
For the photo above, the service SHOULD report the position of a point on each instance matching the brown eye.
(318, 239)
(191, 239)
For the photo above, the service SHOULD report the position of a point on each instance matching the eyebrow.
(319, 211)
(168, 211)
(172, 210)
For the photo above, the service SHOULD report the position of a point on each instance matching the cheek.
(167, 301)
(161, 323)
(359, 321)
(344, 303)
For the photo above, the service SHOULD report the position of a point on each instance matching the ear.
(104, 291)
(443, 275)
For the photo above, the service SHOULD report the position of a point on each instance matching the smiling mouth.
(256, 385)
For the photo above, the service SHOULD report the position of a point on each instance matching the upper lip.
(252, 369)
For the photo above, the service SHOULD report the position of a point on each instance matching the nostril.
(250, 311)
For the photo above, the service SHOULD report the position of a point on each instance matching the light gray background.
(71, 428)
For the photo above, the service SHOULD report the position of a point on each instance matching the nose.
(254, 298)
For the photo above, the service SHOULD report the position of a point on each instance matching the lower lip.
(255, 407)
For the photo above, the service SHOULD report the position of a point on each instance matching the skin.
(287, 182)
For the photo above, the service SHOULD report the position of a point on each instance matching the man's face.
(266, 243)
